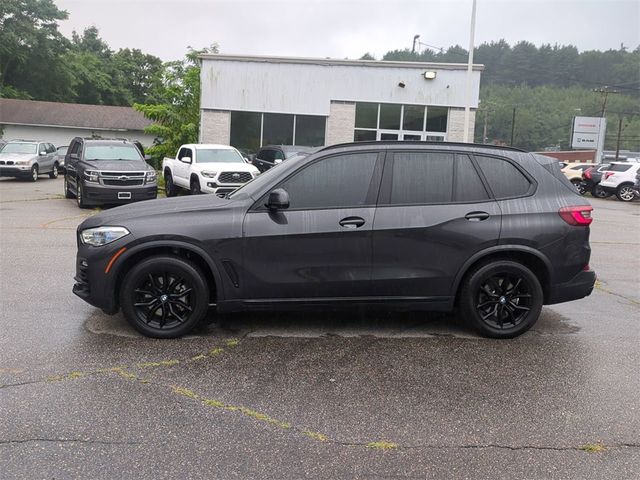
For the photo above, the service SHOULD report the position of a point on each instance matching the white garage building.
(250, 101)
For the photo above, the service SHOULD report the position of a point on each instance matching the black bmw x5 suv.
(492, 232)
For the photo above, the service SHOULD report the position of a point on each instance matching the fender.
(491, 250)
(178, 244)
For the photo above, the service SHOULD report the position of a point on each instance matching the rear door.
(434, 213)
(320, 247)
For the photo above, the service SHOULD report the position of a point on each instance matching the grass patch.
(382, 445)
(216, 351)
(592, 447)
(316, 436)
(162, 363)
(232, 342)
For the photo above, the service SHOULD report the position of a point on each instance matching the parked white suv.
(206, 168)
(619, 179)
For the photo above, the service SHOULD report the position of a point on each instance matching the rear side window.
(422, 177)
(505, 180)
(339, 181)
(618, 168)
(467, 184)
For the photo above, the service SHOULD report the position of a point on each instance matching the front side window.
(211, 155)
(184, 152)
(505, 180)
(421, 178)
(334, 182)
(27, 148)
(112, 152)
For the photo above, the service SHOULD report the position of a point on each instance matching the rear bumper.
(100, 195)
(578, 287)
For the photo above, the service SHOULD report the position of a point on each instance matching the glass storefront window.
(413, 118)
(437, 119)
(364, 135)
(366, 115)
(310, 130)
(277, 129)
(390, 116)
(245, 130)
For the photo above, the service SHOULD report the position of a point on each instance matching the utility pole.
(605, 93)
(513, 125)
(618, 140)
(415, 39)
(467, 106)
(484, 128)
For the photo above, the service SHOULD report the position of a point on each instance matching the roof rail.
(22, 140)
(420, 142)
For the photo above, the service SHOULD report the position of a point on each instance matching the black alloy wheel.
(195, 187)
(164, 297)
(502, 299)
(34, 173)
(579, 186)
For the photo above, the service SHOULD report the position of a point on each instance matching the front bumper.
(92, 284)
(102, 194)
(15, 171)
(578, 287)
(208, 185)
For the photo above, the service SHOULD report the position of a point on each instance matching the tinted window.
(424, 177)
(277, 129)
(366, 115)
(340, 181)
(467, 185)
(310, 130)
(279, 155)
(504, 179)
(245, 130)
(437, 119)
(267, 154)
(618, 168)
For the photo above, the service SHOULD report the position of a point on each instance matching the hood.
(118, 165)
(120, 216)
(224, 167)
(16, 157)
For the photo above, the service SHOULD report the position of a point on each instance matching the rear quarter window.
(619, 168)
(505, 180)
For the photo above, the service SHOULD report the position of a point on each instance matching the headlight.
(102, 235)
(91, 176)
(151, 176)
(208, 174)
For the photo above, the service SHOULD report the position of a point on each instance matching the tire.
(169, 187)
(599, 192)
(80, 196)
(34, 174)
(501, 299)
(152, 309)
(67, 192)
(53, 174)
(195, 187)
(625, 192)
(578, 186)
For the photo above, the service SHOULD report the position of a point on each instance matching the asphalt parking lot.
(320, 395)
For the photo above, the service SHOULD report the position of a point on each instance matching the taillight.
(608, 174)
(587, 173)
(578, 216)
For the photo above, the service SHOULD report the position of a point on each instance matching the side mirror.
(246, 160)
(278, 200)
(186, 159)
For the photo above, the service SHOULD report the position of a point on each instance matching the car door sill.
(440, 303)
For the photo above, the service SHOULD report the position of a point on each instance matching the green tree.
(176, 115)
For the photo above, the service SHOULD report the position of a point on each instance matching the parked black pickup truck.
(103, 171)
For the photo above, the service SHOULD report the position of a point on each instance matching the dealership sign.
(588, 132)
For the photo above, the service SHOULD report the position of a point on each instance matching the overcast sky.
(348, 28)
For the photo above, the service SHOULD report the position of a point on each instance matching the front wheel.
(501, 299)
(80, 195)
(53, 174)
(195, 187)
(34, 173)
(169, 186)
(578, 186)
(625, 193)
(164, 297)
(599, 192)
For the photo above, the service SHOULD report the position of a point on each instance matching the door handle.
(352, 222)
(476, 216)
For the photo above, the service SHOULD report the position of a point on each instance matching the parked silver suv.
(28, 159)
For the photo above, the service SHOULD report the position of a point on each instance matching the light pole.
(467, 107)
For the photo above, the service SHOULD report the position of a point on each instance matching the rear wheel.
(625, 193)
(578, 186)
(54, 172)
(169, 186)
(599, 192)
(164, 297)
(195, 187)
(501, 299)
(34, 173)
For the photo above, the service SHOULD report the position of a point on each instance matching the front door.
(320, 247)
(434, 214)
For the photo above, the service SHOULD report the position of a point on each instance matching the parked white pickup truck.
(206, 168)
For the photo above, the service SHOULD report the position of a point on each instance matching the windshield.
(31, 148)
(218, 155)
(255, 186)
(112, 152)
